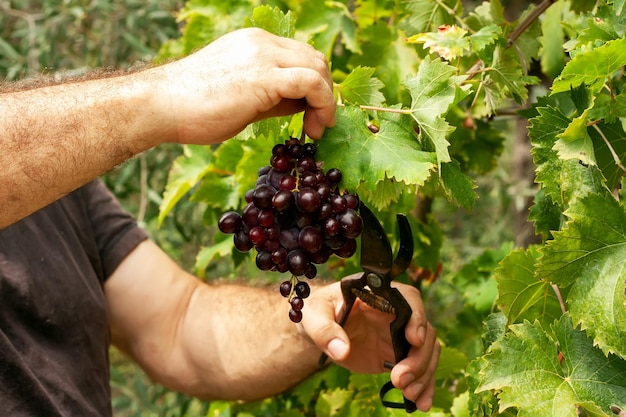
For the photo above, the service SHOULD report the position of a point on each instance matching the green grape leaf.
(476, 278)
(448, 42)
(424, 15)
(207, 254)
(273, 20)
(366, 157)
(614, 134)
(589, 254)
(478, 147)
(592, 68)
(562, 180)
(486, 36)
(434, 90)
(458, 186)
(451, 362)
(361, 88)
(521, 295)
(393, 59)
(524, 367)
(575, 143)
(385, 192)
(326, 22)
(218, 192)
(552, 39)
(187, 170)
(370, 12)
(507, 75)
(332, 401)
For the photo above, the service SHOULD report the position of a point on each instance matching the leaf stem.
(386, 109)
(560, 298)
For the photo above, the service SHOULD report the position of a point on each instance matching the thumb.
(327, 335)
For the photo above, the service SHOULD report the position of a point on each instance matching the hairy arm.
(236, 342)
(55, 139)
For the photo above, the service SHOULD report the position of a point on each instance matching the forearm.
(57, 138)
(245, 347)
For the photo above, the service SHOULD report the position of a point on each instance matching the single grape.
(310, 149)
(333, 176)
(262, 196)
(296, 150)
(331, 226)
(297, 303)
(351, 223)
(310, 239)
(279, 256)
(287, 182)
(279, 149)
(302, 289)
(264, 261)
(321, 256)
(295, 316)
(352, 201)
(282, 200)
(250, 215)
(257, 235)
(308, 200)
(338, 203)
(282, 163)
(306, 164)
(285, 289)
(242, 241)
(347, 250)
(229, 222)
(297, 262)
(263, 170)
(266, 218)
(311, 271)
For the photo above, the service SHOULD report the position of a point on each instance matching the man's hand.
(365, 343)
(57, 138)
(242, 77)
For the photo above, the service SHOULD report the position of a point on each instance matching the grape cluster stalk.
(296, 217)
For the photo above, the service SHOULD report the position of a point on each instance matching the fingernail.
(337, 349)
(406, 379)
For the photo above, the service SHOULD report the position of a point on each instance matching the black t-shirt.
(54, 331)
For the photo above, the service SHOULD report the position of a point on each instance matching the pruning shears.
(374, 287)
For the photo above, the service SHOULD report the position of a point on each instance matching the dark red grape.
(310, 239)
(295, 316)
(347, 250)
(282, 200)
(333, 176)
(351, 223)
(302, 289)
(242, 241)
(297, 262)
(229, 222)
(308, 200)
(262, 196)
(264, 261)
(285, 289)
(297, 303)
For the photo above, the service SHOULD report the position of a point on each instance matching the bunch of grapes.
(295, 217)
